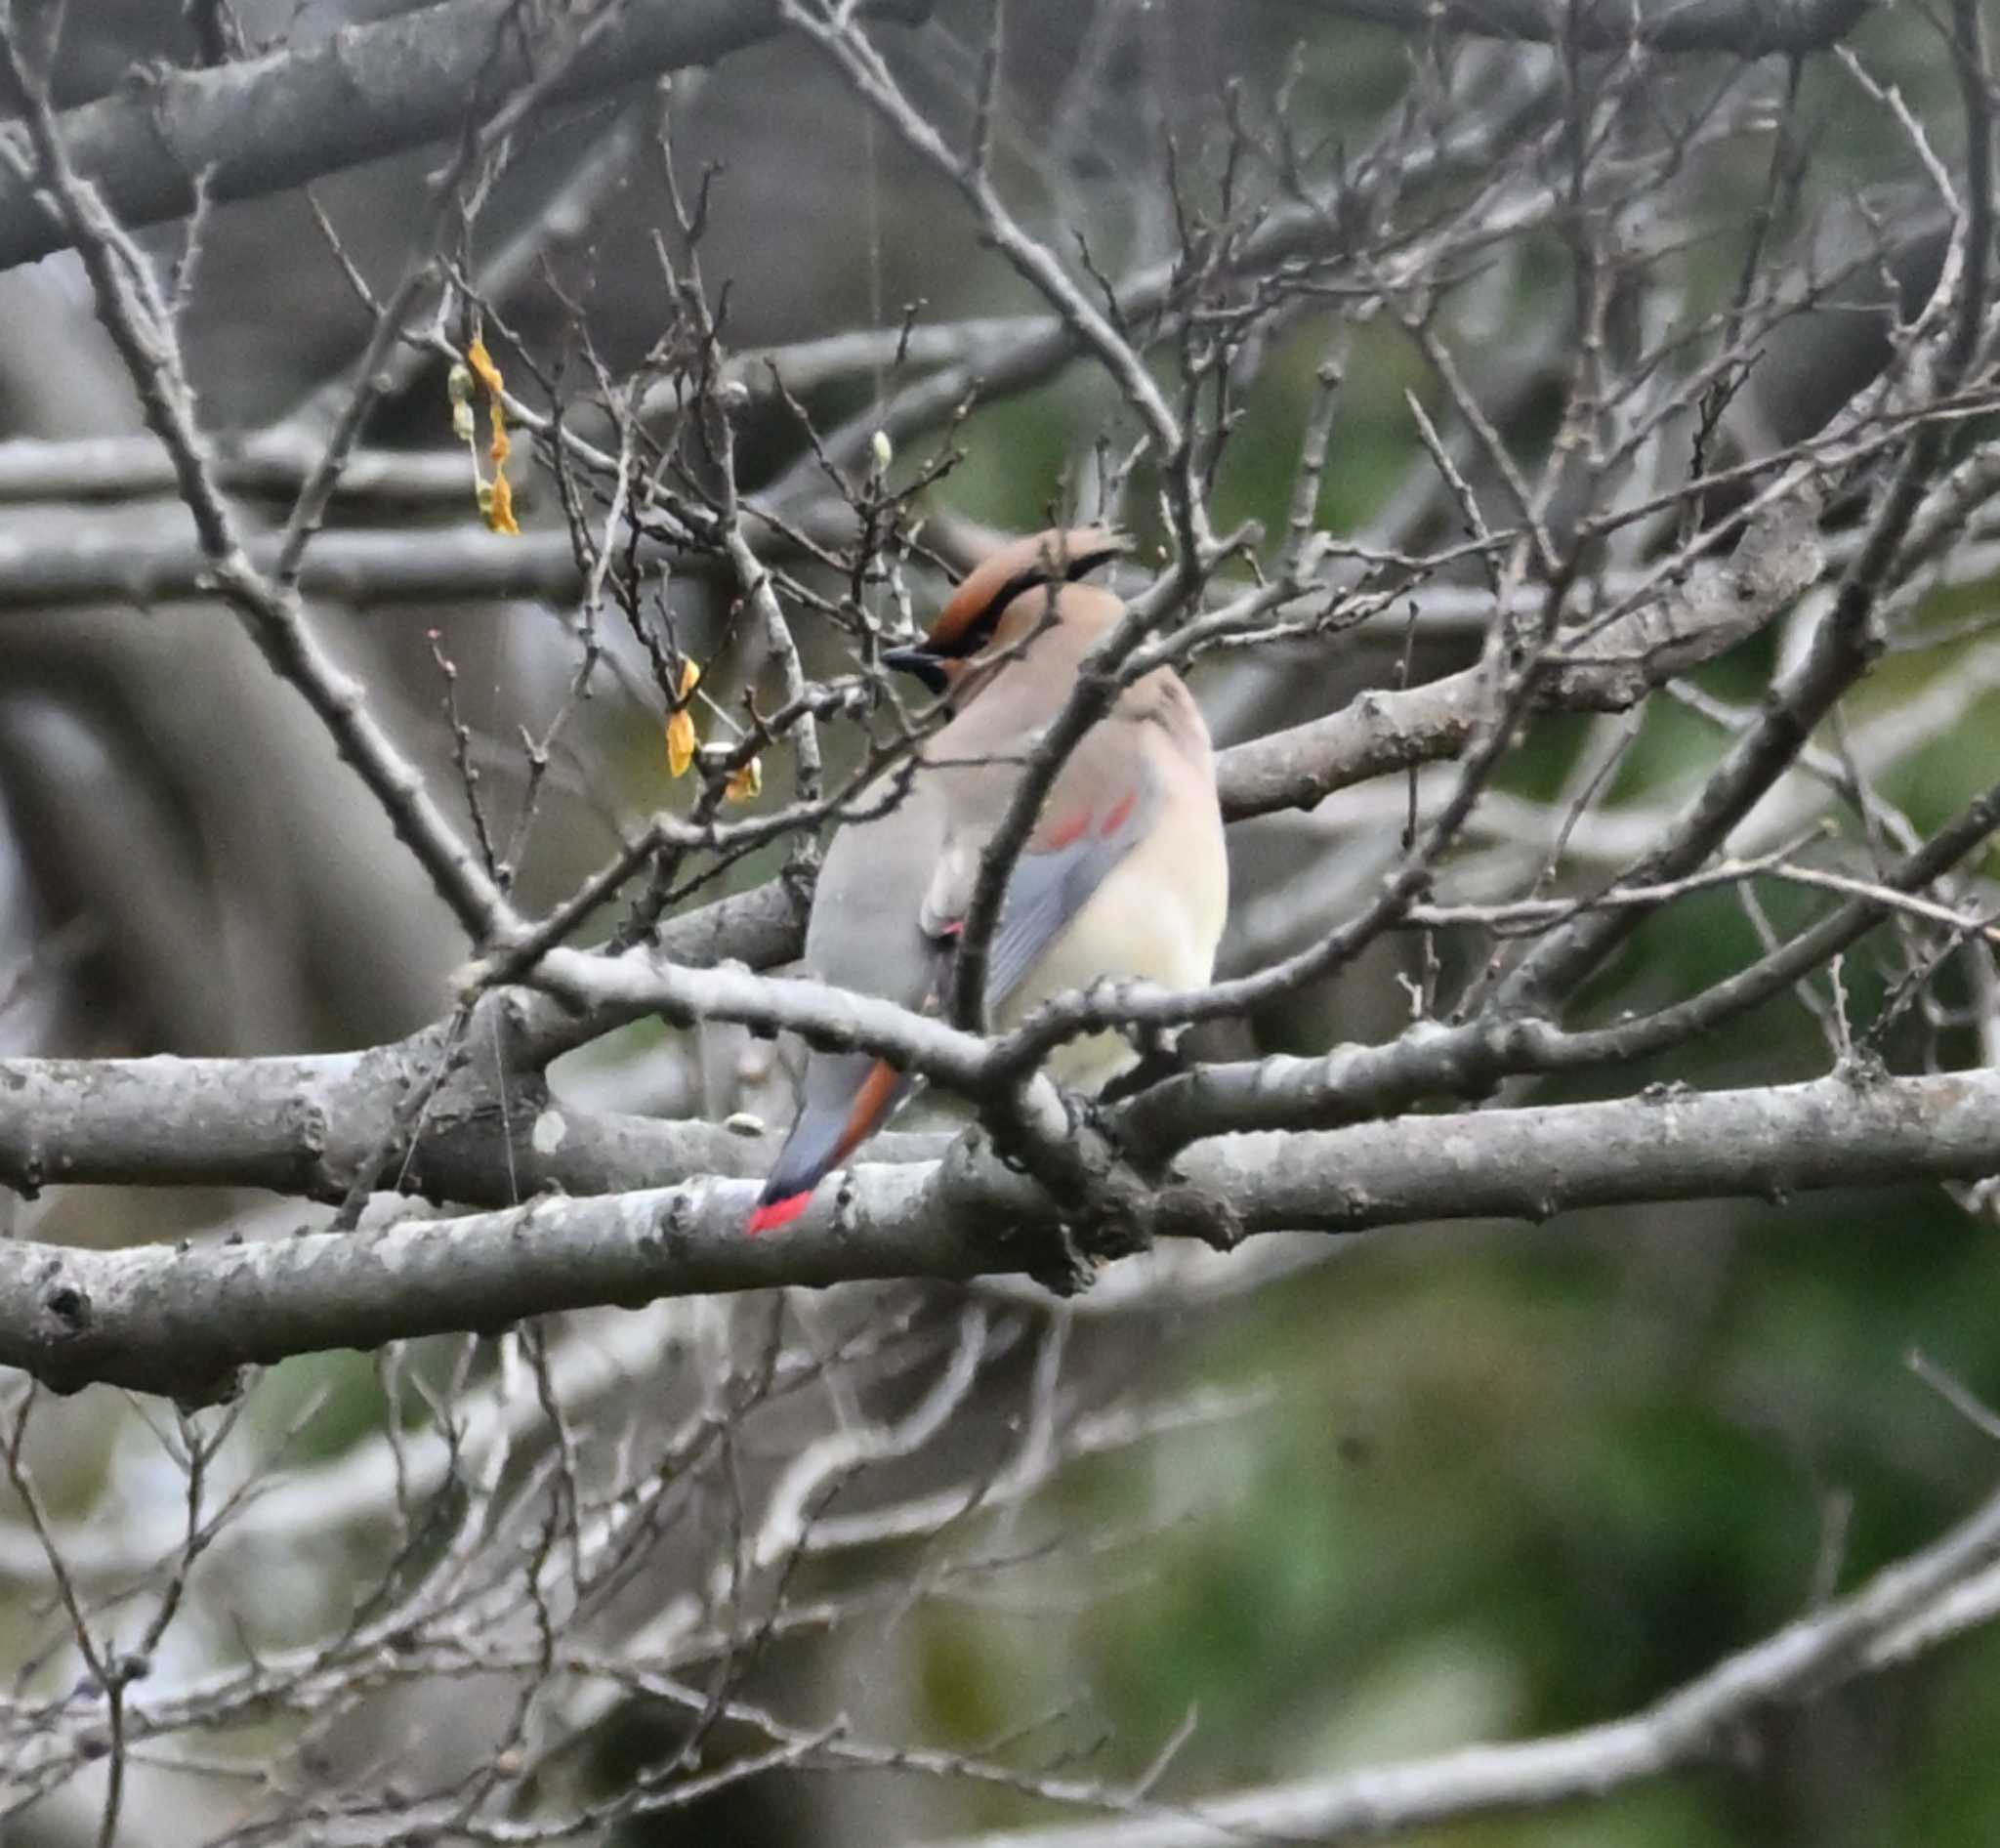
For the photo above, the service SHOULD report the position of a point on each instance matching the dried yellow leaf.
(681, 740)
(747, 783)
(496, 498)
(482, 362)
(496, 503)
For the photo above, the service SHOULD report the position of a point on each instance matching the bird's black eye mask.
(920, 664)
(977, 631)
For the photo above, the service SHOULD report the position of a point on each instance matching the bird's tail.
(847, 1100)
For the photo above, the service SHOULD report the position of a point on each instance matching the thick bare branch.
(183, 1322)
(264, 125)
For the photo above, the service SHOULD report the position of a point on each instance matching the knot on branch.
(64, 1310)
(1058, 1208)
(1185, 1211)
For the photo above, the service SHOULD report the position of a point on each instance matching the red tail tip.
(779, 1212)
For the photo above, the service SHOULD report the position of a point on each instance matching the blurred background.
(1432, 1485)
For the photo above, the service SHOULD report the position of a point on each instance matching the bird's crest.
(966, 621)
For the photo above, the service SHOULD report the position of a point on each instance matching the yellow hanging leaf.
(497, 504)
(681, 740)
(482, 362)
(746, 784)
(496, 497)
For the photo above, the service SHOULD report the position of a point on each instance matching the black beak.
(921, 662)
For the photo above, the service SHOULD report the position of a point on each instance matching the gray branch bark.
(264, 125)
(1662, 637)
(1745, 28)
(314, 1128)
(183, 1322)
(268, 124)
(272, 461)
(91, 563)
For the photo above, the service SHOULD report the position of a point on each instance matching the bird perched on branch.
(1123, 874)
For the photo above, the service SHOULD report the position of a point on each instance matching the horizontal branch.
(181, 1323)
(55, 565)
(1661, 637)
(315, 1128)
(264, 125)
(1745, 29)
(809, 365)
(1378, 733)
(89, 562)
(273, 461)
(318, 1127)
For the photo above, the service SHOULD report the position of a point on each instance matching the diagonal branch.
(1779, 558)
(268, 124)
(1698, 1723)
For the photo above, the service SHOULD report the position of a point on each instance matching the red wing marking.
(1120, 814)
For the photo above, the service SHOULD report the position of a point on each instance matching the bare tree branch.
(1746, 28)
(1554, 298)
(1694, 1724)
(140, 327)
(269, 461)
(182, 1323)
(1610, 670)
(268, 124)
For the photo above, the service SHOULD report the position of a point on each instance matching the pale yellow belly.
(1158, 917)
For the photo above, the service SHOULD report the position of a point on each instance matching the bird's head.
(996, 606)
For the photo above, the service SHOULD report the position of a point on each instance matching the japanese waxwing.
(1124, 875)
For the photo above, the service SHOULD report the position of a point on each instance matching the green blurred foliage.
(1520, 1481)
